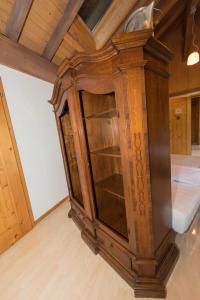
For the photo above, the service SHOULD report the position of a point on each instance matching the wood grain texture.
(180, 125)
(170, 18)
(12, 135)
(22, 59)
(195, 116)
(75, 186)
(165, 7)
(62, 27)
(64, 52)
(115, 14)
(82, 34)
(189, 27)
(184, 79)
(132, 70)
(60, 249)
(17, 18)
(73, 43)
(5, 11)
(15, 219)
(40, 24)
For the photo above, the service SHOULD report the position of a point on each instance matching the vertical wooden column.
(133, 134)
(139, 169)
(145, 144)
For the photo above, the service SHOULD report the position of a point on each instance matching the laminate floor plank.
(52, 263)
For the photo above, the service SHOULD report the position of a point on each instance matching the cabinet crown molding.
(69, 69)
(118, 43)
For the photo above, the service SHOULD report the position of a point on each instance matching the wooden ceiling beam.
(189, 26)
(22, 59)
(82, 39)
(80, 31)
(141, 3)
(17, 18)
(71, 10)
(167, 21)
(114, 16)
(164, 7)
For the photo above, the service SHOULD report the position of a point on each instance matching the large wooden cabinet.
(112, 111)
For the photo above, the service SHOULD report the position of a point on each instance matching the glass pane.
(71, 156)
(101, 125)
(92, 11)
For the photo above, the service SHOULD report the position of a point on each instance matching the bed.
(185, 160)
(185, 196)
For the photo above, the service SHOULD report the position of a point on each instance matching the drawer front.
(114, 249)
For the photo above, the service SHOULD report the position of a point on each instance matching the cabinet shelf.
(107, 114)
(113, 185)
(113, 151)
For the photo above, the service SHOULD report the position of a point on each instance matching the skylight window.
(92, 11)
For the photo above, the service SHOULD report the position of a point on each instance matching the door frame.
(17, 156)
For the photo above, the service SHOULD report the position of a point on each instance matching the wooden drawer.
(114, 249)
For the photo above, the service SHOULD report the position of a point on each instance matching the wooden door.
(101, 118)
(71, 158)
(180, 125)
(15, 214)
(195, 113)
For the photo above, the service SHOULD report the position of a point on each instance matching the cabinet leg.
(90, 241)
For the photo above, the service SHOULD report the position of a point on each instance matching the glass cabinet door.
(100, 119)
(71, 156)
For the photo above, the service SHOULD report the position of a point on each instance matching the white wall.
(37, 138)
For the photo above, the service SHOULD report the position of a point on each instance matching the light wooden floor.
(53, 263)
(196, 152)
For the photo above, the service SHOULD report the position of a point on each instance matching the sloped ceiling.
(57, 29)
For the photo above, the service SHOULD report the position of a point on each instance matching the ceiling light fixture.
(193, 57)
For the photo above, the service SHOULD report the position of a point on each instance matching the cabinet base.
(155, 287)
(125, 264)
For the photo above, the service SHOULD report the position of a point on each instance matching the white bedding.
(185, 202)
(185, 191)
(185, 160)
(185, 174)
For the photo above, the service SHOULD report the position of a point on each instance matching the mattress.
(185, 194)
(185, 174)
(185, 160)
(185, 203)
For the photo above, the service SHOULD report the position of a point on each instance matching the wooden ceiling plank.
(141, 3)
(73, 43)
(114, 16)
(82, 35)
(64, 51)
(80, 31)
(20, 58)
(189, 26)
(165, 7)
(167, 21)
(18, 18)
(62, 27)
